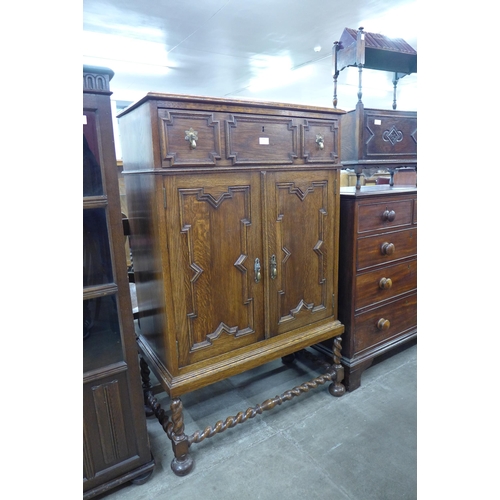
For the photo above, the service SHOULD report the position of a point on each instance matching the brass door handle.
(274, 267)
(192, 137)
(385, 283)
(256, 269)
(320, 141)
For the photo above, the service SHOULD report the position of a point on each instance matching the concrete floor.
(361, 446)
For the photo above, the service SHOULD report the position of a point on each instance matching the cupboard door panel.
(300, 232)
(214, 227)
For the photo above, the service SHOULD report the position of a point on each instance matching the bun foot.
(336, 389)
(182, 467)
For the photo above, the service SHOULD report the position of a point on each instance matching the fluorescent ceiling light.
(124, 54)
(275, 71)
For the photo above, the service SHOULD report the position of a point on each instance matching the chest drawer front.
(384, 214)
(320, 141)
(263, 140)
(383, 323)
(385, 248)
(189, 138)
(383, 284)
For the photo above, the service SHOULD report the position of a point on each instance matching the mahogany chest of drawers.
(377, 274)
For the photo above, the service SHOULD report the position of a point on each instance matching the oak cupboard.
(234, 216)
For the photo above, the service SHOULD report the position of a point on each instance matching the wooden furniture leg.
(337, 388)
(182, 462)
(353, 374)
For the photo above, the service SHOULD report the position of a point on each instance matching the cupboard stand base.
(182, 462)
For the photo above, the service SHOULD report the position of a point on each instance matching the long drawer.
(385, 283)
(384, 214)
(382, 323)
(191, 138)
(386, 248)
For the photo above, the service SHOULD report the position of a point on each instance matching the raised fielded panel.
(300, 228)
(320, 140)
(214, 239)
(389, 134)
(189, 138)
(262, 140)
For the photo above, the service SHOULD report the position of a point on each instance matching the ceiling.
(274, 50)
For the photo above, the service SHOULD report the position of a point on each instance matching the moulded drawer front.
(320, 141)
(384, 214)
(390, 135)
(263, 140)
(385, 248)
(385, 283)
(383, 323)
(189, 138)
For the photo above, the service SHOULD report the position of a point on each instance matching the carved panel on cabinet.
(320, 141)
(301, 233)
(189, 138)
(390, 134)
(216, 240)
(109, 413)
(263, 140)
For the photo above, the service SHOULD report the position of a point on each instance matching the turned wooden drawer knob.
(383, 324)
(385, 283)
(389, 215)
(387, 248)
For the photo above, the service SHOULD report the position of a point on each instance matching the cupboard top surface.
(223, 104)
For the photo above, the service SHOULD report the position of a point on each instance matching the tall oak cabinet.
(234, 214)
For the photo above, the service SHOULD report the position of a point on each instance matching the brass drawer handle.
(192, 137)
(387, 248)
(257, 272)
(385, 283)
(274, 270)
(389, 215)
(383, 324)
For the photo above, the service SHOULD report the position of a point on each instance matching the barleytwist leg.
(146, 386)
(337, 388)
(182, 462)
